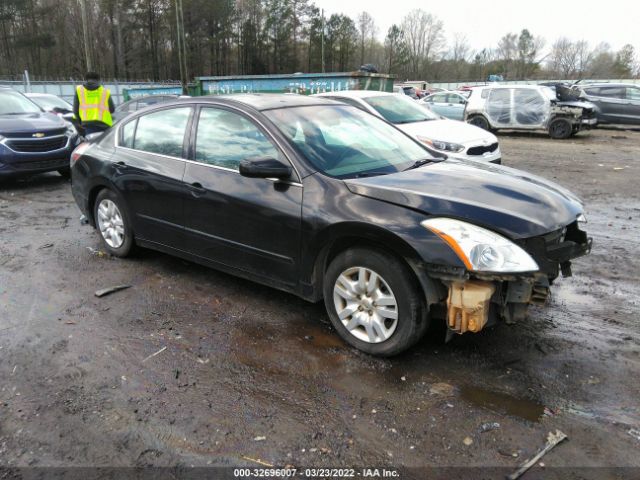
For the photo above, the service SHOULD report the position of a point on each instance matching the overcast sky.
(484, 22)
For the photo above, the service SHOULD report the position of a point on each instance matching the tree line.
(138, 40)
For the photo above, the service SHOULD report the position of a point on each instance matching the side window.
(455, 99)
(351, 102)
(162, 132)
(592, 91)
(612, 92)
(127, 133)
(633, 93)
(225, 138)
(440, 98)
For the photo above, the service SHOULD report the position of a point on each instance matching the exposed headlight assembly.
(442, 146)
(480, 249)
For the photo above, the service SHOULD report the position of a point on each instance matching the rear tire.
(560, 128)
(374, 301)
(113, 225)
(479, 121)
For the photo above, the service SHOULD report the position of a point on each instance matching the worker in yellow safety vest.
(93, 105)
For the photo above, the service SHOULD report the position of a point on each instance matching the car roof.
(608, 84)
(355, 94)
(268, 101)
(40, 95)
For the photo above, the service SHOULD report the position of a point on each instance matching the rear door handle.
(197, 189)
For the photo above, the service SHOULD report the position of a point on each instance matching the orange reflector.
(454, 246)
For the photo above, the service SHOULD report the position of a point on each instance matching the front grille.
(41, 145)
(29, 134)
(482, 149)
(41, 164)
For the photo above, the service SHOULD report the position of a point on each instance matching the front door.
(252, 224)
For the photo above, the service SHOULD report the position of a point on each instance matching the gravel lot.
(247, 375)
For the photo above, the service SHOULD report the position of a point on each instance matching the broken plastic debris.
(108, 290)
(97, 253)
(259, 439)
(154, 354)
(553, 439)
(634, 433)
(487, 427)
(467, 441)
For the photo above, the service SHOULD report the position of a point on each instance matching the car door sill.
(254, 277)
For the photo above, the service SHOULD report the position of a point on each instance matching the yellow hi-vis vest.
(94, 105)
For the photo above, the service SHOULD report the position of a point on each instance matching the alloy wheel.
(110, 223)
(365, 304)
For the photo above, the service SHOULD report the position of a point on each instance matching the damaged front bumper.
(475, 300)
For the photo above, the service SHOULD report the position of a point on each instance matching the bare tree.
(424, 34)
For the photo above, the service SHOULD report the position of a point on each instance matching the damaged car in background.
(328, 202)
(529, 107)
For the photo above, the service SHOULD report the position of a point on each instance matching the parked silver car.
(455, 139)
(615, 102)
(528, 107)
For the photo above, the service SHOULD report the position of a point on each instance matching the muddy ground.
(247, 375)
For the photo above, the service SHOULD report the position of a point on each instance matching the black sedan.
(31, 140)
(326, 201)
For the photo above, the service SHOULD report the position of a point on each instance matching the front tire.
(112, 223)
(479, 121)
(560, 128)
(374, 301)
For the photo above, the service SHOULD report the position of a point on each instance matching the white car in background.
(456, 139)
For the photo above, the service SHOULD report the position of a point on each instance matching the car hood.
(502, 199)
(451, 131)
(29, 122)
(576, 103)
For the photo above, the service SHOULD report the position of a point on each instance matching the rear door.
(611, 101)
(251, 224)
(632, 105)
(149, 166)
(456, 105)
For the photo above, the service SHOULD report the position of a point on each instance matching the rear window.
(162, 132)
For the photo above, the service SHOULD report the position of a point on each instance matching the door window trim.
(194, 132)
(118, 138)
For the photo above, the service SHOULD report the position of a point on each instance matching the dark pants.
(89, 129)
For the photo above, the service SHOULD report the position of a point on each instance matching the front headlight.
(480, 249)
(71, 130)
(442, 146)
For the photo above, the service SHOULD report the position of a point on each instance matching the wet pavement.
(190, 366)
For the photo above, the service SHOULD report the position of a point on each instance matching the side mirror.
(264, 167)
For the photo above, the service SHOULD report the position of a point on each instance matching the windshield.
(49, 103)
(398, 109)
(345, 142)
(12, 103)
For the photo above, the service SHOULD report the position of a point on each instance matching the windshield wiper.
(370, 174)
(419, 163)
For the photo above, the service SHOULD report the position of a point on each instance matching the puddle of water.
(503, 403)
